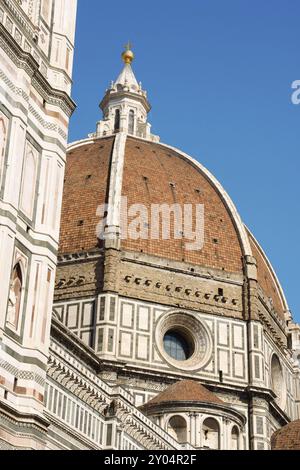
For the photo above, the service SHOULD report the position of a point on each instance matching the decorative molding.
(181, 291)
(22, 374)
(25, 60)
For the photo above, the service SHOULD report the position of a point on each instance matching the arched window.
(211, 434)
(235, 438)
(131, 122)
(29, 181)
(298, 359)
(177, 429)
(117, 120)
(3, 132)
(277, 382)
(2, 136)
(15, 295)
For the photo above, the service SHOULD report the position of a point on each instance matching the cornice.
(74, 345)
(22, 420)
(28, 63)
(21, 17)
(117, 95)
(81, 256)
(112, 404)
(193, 406)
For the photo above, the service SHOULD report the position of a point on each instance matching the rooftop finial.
(128, 55)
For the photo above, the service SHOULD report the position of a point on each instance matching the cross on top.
(128, 46)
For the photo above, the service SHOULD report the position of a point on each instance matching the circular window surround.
(195, 333)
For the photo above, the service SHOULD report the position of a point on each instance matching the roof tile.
(185, 390)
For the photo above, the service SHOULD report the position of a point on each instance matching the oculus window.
(177, 346)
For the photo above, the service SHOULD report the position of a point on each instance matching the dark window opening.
(131, 122)
(177, 346)
(117, 120)
(15, 383)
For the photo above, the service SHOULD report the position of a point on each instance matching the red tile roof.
(287, 438)
(185, 390)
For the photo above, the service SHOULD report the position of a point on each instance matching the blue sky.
(218, 75)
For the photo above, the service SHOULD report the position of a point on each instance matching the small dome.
(183, 391)
(287, 438)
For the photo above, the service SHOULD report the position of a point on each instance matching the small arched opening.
(29, 179)
(117, 120)
(277, 380)
(235, 438)
(177, 428)
(15, 296)
(3, 132)
(131, 122)
(211, 433)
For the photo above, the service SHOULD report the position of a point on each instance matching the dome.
(153, 173)
(287, 438)
(160, 277)
(183, 391)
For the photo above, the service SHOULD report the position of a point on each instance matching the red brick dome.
(287, 438)
(153, 173)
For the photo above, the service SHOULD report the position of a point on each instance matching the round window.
(178, 346)
(183, 340)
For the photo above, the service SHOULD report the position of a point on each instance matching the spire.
(125, 105)
(126, 77)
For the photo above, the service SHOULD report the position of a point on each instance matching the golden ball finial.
(128, 55)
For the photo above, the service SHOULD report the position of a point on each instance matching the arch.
(3, 130)
(29, 181)
(235, 435)
(131, 119)
(177, 428)
(3, 136)
(277, 380)
(117, 120)
(15, 296)
(211, 433)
